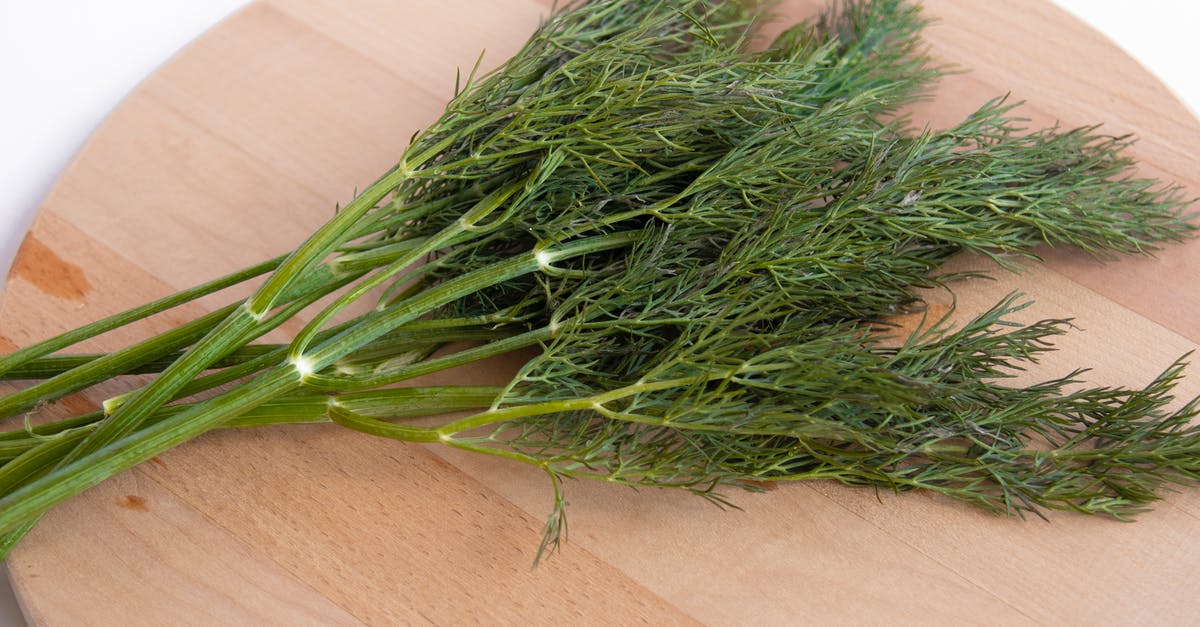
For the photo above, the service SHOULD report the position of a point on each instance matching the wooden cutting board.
(245, 141)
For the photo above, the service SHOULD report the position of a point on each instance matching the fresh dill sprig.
(703, 244)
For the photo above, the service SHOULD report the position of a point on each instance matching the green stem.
(55, 365)
(407, 433)
(242, 324)
(413, 343)
(70, 338)
(51, 428)
(318, 246)
(311, 408)
(595, 401)
(40, 458)
(377, 323)
(131, 357)
(98, 463)
(239, 328)
(302, 408)
(104, 367)
(484, 207)
(429, 366)
(28, 502)
(371, 258)
(431, 333)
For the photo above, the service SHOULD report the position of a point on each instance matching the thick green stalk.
(434, 333)
(134, 356)
(104, 367)
(482, 209)
(247, 321)
(435, 364)
(415, 343)
(119, 424)
(25, 455)
(55, 365)
(22, 356)
(70, 338)
(236, 330)
(177, 428)
(377, 323)
(27, 503)
(318, 246)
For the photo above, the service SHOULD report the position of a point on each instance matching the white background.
(64, 64)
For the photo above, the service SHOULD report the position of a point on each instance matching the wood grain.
(283, 110)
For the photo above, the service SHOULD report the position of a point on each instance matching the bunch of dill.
(702, 242)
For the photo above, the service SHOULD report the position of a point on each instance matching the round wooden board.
(244, 143)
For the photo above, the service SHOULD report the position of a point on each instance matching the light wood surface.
(282, 111)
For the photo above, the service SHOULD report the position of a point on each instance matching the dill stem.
(135, 355)
(597, 401)
(55, 365)
(300, 261)
(377, 323)
(11, 363)
(86, 466)
(102, 368)
(70, 338)
(408, 258)
(239, 325)
(246, 321)
(434, 364)
(433, 333)
(21, 454)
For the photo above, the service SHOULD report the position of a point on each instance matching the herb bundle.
(703, 244)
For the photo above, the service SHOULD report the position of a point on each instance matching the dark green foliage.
(703, 244)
